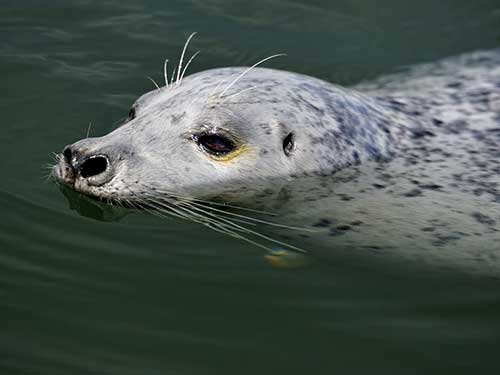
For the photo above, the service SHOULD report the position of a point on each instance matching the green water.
(147, 295)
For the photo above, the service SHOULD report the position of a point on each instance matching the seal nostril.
(68, 153)
(93, 166)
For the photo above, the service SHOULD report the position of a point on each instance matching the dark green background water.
(152, 296)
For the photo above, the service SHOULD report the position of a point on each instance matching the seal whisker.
(187, 204)
(263, 236)
(199, 217)
(168, 209)
(136, 203)
(143, 206)
(239, 228)
(182, 56)
(247, 71)
(239, 237)
(203, 219)
(243, 91)
(172, 76)
(119, 121)
(189, 199)
(47, 176)
(149, 206)
(54, 156)
(88, 129)
(129, 204)
(187, 64)
(222, 228)
(202, 212)
(252, 219)
(154, 82)
(245, 222)
(165, 72)
(217, 87)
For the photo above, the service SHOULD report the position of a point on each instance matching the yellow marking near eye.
(228, 157)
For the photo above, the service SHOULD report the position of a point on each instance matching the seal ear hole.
(289, 144)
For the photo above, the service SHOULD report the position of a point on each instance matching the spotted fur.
(408, 164)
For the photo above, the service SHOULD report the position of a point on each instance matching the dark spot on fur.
(483, 219)
(430, 186)
(428, 229)
(174, 119)
(322, 223)
(456, 127)
(336, 232)
(344, 227)
(417, 133)
(373, 151)
(442, 239)
(356, 158)
(413, 193)
(346, 197)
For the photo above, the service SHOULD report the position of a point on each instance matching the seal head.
(198, 139)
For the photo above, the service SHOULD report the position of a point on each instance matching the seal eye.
(215, 144)
(131, 114)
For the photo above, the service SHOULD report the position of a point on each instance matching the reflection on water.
(92, 208)
(149, 295)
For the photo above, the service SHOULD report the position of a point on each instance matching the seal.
(250, 136)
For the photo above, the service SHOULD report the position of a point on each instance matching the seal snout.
(92, 169)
